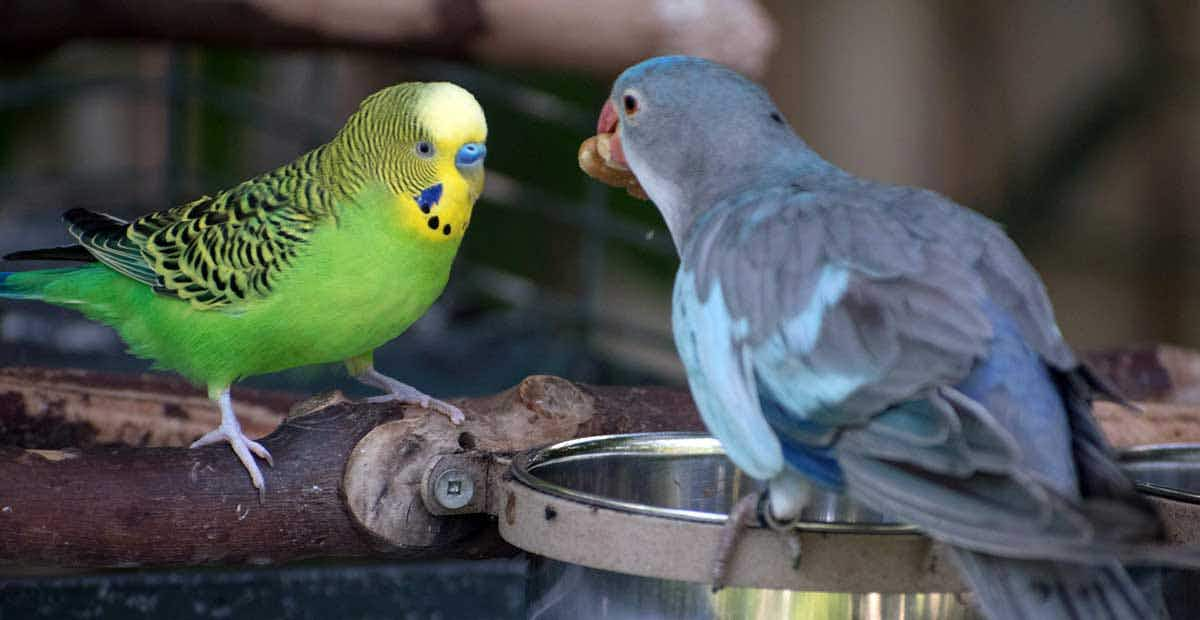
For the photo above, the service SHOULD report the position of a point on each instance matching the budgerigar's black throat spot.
(777, 117)
(446, 230)
(434, 223)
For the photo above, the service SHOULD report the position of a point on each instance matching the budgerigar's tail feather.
(7, 291)
(31, 284)
(65, 252)
(1037, 590)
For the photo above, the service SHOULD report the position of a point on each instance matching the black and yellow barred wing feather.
(103, 236)
(216, 251)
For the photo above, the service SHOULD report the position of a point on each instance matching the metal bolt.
(453, 489)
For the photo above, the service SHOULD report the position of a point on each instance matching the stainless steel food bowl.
(1169, 471)
(682, 476)
(628, 526)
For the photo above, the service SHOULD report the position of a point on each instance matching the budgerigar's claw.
(450, 411)
(260, 451)
(243, 447)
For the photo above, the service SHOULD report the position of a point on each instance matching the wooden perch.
(350, 479)
(603, 37)
(347, 479)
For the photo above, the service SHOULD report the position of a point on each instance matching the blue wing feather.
(721, 378)
(749, 397)
(1014, 384)
(805, 444)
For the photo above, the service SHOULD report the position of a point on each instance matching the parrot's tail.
(1036, 590)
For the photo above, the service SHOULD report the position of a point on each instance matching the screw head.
(453, 489)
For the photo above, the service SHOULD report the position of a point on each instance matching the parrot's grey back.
(920, 268)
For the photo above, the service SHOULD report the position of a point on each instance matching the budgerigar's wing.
(104, 236)
(216, 251)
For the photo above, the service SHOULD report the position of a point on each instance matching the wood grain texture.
(116, 501)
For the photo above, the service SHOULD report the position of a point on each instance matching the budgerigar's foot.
(744, 513)
(245, 449)
(407, 394)
(413, 396)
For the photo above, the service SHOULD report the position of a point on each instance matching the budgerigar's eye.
(631, 104)
(424, 149)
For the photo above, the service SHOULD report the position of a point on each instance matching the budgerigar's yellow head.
(427, 143)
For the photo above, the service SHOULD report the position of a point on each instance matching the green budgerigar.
(321, 260)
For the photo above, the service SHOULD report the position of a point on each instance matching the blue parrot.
(884, 342)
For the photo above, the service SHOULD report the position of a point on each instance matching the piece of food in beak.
(595, 159)
(601, 156)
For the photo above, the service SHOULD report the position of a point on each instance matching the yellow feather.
(453, 115)
(455, 118)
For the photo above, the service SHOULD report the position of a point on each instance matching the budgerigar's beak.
(608, 124)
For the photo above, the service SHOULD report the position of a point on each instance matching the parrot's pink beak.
(608, 125)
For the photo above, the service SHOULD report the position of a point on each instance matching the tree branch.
(347, 479)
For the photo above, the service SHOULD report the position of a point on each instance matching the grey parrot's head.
(693, 132)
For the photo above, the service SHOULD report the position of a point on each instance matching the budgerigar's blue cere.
(884, 341)
(470, 154)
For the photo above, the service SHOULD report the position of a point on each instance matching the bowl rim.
(1170, 451)
(663, 444)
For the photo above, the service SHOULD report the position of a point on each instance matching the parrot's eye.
(631, 104)
(424, 149)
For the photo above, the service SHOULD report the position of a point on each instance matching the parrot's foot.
(408, 395)
(244, 447)
(744, 513)
(750, 509)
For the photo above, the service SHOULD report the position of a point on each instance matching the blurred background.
(1076, 125)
